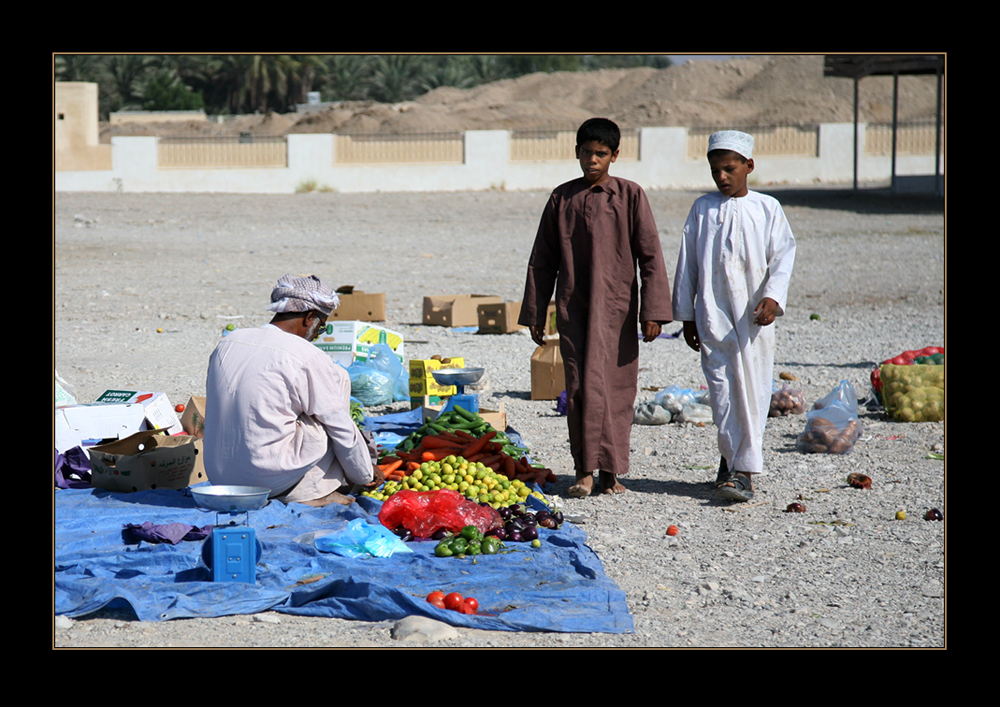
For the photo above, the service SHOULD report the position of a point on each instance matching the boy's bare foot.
(334, 497)
(609, 483)
(583, 487)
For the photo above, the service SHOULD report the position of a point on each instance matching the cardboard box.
(89, 424)
(360, 306)
(455, 310)
(147, 460)
(346, 342)
(499, 318)
(548, 377)
(422, 380)
(160, 414)
(193, 419)
(496, 418)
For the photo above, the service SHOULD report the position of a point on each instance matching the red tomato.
(453, 601)
(470, 605)
(436, 601)
(436, 597)
(179, 407)
(672, 530)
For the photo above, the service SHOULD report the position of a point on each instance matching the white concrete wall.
(662, 164)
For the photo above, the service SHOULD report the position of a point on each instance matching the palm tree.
(397, 77)
(127, 71)
(345, 76)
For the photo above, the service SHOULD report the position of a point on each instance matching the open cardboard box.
(455, 310)
(90, 424)
(193, 419)
(359, 306)
(500, 318)
(147, 460)
(160, 414)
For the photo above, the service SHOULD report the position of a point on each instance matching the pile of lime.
(473, 480)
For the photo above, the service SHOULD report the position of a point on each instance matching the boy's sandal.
(741, 489)
(725, 475)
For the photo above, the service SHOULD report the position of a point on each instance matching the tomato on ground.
(453, 601)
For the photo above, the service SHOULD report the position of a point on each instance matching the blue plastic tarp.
(558, 587)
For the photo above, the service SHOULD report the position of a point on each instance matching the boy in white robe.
(731, 284)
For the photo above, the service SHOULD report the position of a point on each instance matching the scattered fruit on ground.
(795, 508)
(934, 514)
(672, 530)
(900, 515)
(859, 481)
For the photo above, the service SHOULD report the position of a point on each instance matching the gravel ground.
(845, 573)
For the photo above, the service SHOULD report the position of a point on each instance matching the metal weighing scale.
(232, 551)
(460, 377)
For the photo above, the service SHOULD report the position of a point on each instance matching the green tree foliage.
(165, 91)
(258, 83)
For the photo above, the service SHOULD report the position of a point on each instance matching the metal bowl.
(231, 499)
(458, 376)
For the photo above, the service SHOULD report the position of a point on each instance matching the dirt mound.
(759, 90)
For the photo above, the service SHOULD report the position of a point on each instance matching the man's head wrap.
(738, 142)
(303, 294)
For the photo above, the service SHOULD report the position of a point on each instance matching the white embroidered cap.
(734, 140)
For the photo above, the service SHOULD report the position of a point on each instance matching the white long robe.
(277, 415)
(734, 253)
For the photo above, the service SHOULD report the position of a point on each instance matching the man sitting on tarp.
(277, 410)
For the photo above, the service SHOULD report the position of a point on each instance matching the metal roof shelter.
(857, 66)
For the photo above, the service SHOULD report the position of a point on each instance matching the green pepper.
(474, 548)
(490, 545)
(459, 545)
(471, 532)
(443, 549)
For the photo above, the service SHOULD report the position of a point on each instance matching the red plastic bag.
(424, 513)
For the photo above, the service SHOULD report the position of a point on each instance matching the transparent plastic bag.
(674, 398)
(832, 426)
(786, 401)
(651, 413)
(695, 414)
(369, 385)
(383, 359)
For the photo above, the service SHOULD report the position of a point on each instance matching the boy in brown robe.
(594, 233)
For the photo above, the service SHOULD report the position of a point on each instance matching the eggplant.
(515, 536)
(530, 534)
(499, 533)
(440, 534)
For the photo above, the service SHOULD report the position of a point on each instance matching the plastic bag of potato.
(832, 425)
(913, 393)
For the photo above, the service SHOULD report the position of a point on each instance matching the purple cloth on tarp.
(73, 463)
(172, 533)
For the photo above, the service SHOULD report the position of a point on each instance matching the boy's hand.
(650, 330)
(766, 311)
(691, 336)
(537, 334)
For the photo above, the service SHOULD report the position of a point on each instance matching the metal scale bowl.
(460, 377)
(232, 551)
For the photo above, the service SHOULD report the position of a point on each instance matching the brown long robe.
(589, 244)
